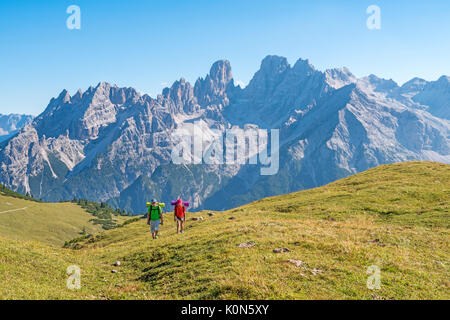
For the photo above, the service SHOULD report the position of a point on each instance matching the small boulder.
(113, 271)
(231, 218)
(247, 244)
(117, 264)
(210, 214)
(281, 250)
(297, 263)
(375, 297)
(316, 271)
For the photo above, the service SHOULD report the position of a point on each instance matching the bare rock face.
(114, 144)
(212, 89)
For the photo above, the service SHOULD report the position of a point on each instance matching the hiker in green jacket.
(154, 218)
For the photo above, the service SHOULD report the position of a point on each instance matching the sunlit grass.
(395, 217)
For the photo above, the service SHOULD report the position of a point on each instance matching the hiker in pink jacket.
(179, 215)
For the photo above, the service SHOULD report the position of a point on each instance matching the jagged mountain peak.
(303, 65)
(214, 87)
(271, 73)
(82, 115)
(63, 97)
(103, 85)
(273, 64)
(339, 77)
(331, 125)
(181, 93)
(78, 96)
(182, 83)
(220, 72)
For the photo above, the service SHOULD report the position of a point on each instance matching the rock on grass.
(297, 263)
(281, 250)
(247, 244)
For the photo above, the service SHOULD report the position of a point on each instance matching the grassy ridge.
(395, 217)
(24, 218)
(414, 193)
(51, 223)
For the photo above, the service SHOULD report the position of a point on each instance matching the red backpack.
(180, 211)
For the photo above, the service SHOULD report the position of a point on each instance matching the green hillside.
(24, 218)
(395, 217)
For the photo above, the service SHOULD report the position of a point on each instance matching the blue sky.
(150, 44)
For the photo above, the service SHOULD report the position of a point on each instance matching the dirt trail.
(13, 210)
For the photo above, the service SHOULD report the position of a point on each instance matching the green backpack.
(151, 209)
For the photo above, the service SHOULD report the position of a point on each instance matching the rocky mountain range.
(114, 144)
(11, 124)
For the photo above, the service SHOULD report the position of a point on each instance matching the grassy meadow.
(394, 218)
